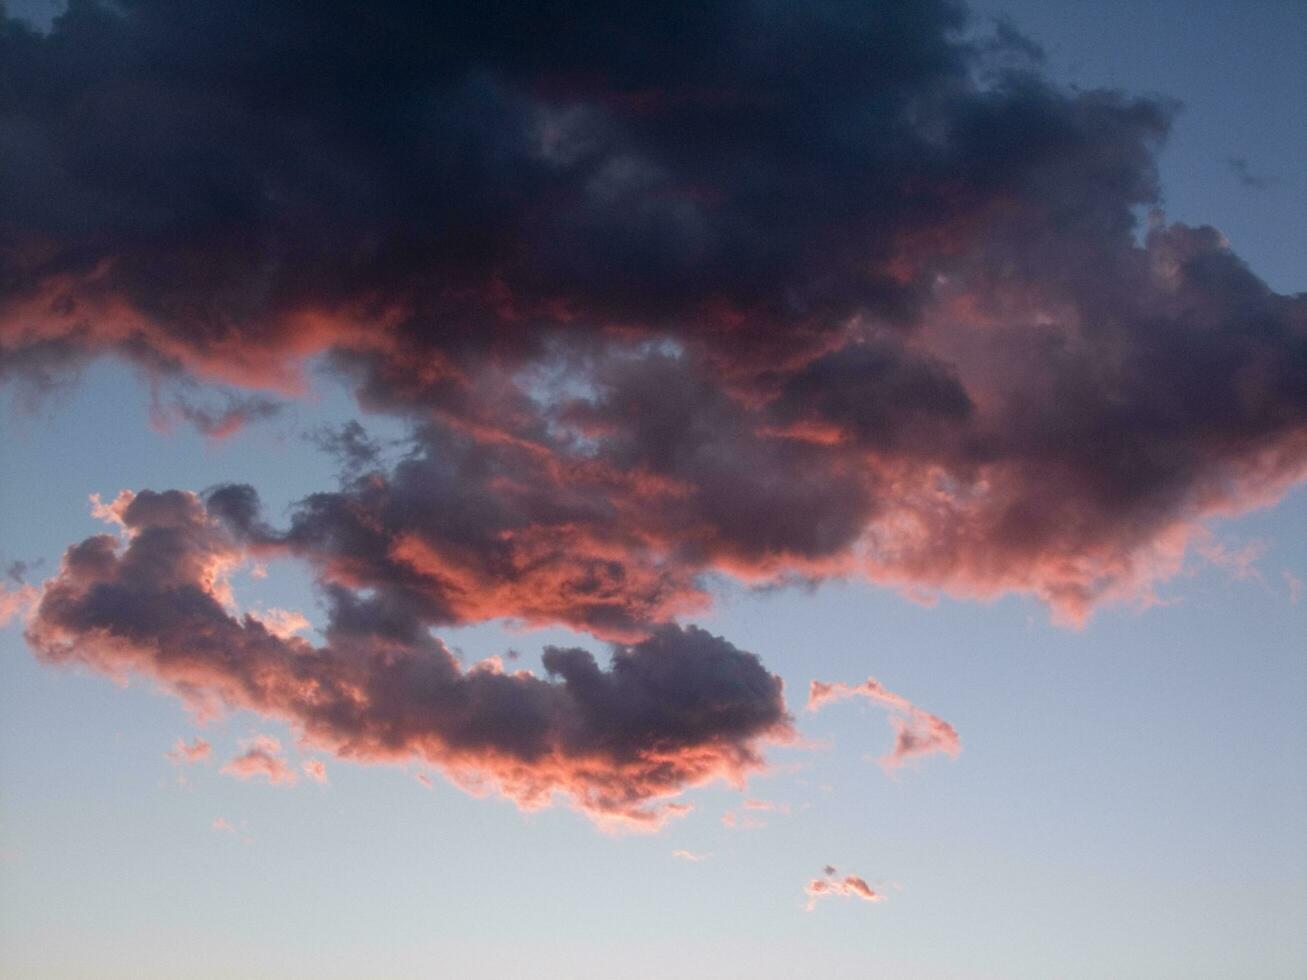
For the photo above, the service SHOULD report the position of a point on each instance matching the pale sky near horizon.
(1128, 800)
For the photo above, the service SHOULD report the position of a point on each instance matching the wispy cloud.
(316, 770)
(916, 732)
(1244, 174)
(832, 884)
(691, 855)
(1294, 584)
(262, 757)
(183, 752)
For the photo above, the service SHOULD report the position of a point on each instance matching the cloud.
(916, 732)
(262, 757)
(224, 826)
(766, 805)
(281, 622)
(17, 603)
(832, 885)
(17, 600)
(660, 295)
(315, 770)
(1294, 584)
(690, 856)
(1239, 561)
(183, 752)
(756, 302)
(222, 422)
(1239, 166)
(676, 709)
(16, 571)
(732, 820)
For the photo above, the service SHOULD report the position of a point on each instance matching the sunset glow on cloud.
(931, 346)
(197, 750)
(832, 884)
(261, 757)
(844, 385)
(676, 709)
(493, 363)
(590, 442)
(916, 732)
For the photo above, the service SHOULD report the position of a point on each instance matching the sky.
(749, 490)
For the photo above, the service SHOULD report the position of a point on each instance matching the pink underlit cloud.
(916, 732)
(1294, 585)
(183, 752)
(283, 623)
(315, 770)
(1240, 561)
(741, 821)
(17, 603)
(690, 855)
(831, 884)
(376, 697)
(262, 757)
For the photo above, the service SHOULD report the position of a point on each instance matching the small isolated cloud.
(1294, 585)
(1239, 560)
(741, 821)
(262, 757)
(832, 884)
(766, 805)
(315, 770)
(17, 571)
(1244, 174)
(690, 855)
(916, 732)
(183, 752)
(222, 825)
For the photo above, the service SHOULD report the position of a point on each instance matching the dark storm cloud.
(217, 183)
(676, 709)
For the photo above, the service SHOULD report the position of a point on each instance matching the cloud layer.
(664, 294)
(771, 290)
